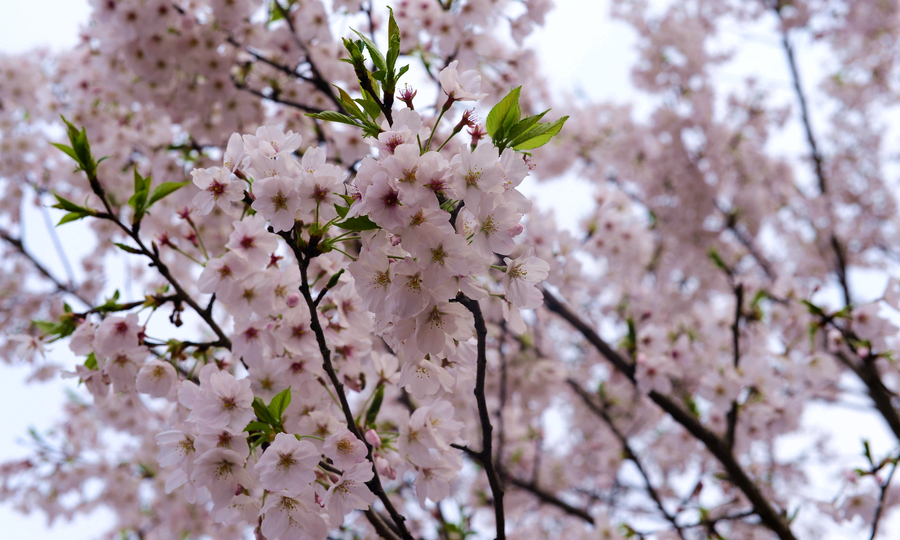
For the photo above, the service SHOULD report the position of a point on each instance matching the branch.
(554, 305)
(375, 483)
(317, 80)
(801, 97)
(629, 453)
(814, 151)
(157, 262)
(305, 108)
(736, 350)
(60, 286)
(486, 440)
(549, 498)
(761, 505)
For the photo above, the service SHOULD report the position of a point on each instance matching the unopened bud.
(373, 438)
(292, 300)
(384, 468)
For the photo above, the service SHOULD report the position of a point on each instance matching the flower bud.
(292, 300)
(373, 438)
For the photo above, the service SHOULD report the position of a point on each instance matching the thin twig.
(60, 286)
(629, 453)
(769, 516)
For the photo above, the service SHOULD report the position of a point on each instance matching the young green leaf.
(280, 403)
(531, 139)
(164, 189)
(359, 223)
(504, 114)
(127, 249)
(372, 413)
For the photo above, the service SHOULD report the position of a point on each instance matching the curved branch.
(770, 517)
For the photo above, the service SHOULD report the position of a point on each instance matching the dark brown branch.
(882, 498)
(275, 98)
(804, 110)
(549, 498)
(816, 156)
(375, 483)
(629, 453)
(485, 456)
(736, 351)
(317, 80)
(60, 286)
(620, 363)
(770, 517)
(156, 261)
(380, 526)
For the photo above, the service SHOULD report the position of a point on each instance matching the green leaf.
(542, 138)
(71, 216)
(524, 125)
(342, 210)
(128, 249)
(164, 189)
(68, 150)
(371, 108)
(377, 57)
(349, 104)
(332, 116)
(257, 426)
(280, 402)
(263, 413)
(359, 223)
(67, 205)
(504, 114)
(813, 309)
(91, 362)
(716, 259)
(138, 201)
(393, 41)
(372, 413)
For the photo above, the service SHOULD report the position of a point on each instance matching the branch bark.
(770, 517)
(485, 456)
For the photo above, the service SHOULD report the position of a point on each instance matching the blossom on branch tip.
(463, 86)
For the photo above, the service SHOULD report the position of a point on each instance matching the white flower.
(216, 187)
(287, 464)
(349, 493)
(222, 471)
(156, 378)
(287, 517)
(345, 449)
(461, 86)
(277, 201)
(224, 402)
(522, 276)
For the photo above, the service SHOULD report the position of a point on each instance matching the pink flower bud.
(516, 231)
(395, 240)
(373, 438)
(292, 300)
(384, 468)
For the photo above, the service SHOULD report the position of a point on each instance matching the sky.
(600, 70)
